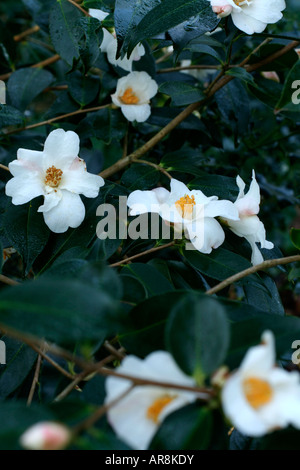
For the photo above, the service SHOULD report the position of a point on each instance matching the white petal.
(69, 212)
(141, 202)
(79, 181)
(247, 24)
(51, 200)
(221, 208)
(139, 113)
(260, 359)
(23, 190)
(61, 148)
(99, 14)
(267, 11)
(236, 407)
(125, 63)
(108, 38)
(178, 189)
(206, 234)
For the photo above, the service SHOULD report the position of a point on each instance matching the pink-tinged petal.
(61, 148)
(51, 200)
(69, 212)
(24, 189)
(79, 181)
(249, 204)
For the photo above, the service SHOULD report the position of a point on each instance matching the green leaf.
(61, 311)
(19, 362)
(65, 30)
(197, 335)
(288, 89)
(10, 116)
(83, 88)
(295, 237)
(185, 429)
(181, 93)
(242, 74)
(26, 230)
(137, 21)
(26, 84)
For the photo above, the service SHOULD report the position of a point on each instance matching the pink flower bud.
(222, 11)
(46, 436)
(271, 76)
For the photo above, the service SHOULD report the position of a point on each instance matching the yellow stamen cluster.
(129, 97)
(185, 205)
(258, 392)
(53, 177)
(157, 406)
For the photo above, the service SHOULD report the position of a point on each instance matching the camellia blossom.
(137, 416)
(109, 46)
(133, 95)
(58, 174)
(250, 16)
(259, 397)
(188, 210)
(46, 435)
(249, 225)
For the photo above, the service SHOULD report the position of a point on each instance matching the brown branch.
(259, 267)
(79, 8)
(19, 37)
(189, 67)
(43, 63)
(35, 380)
(144, 253)
(8, 281)
(154, 165)
(58, 118)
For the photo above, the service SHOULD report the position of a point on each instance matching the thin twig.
(79, 8)
(43, 63)
(259, 267)
(58, 118)
(144, 253)
(8, 281)
(19, 37)
(154, 165)
(35, 380)
(189, 67)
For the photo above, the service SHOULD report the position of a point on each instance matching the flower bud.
(222, 11)
(46, 436)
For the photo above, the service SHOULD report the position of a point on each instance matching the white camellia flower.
(58, 174)
(109, 45)
(250, 16)
(46, 435)
(133, 95)
(249, 225)
(259, 397)
(137, 416)
(188, 210)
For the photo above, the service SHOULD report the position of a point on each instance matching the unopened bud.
(223, 11)
(46, 436)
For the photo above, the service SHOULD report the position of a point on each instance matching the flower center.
(129, 97)
(185, 205)
(53, 177)
(157, 406)
(258, 392)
